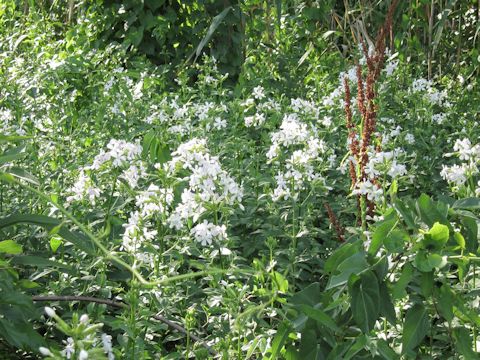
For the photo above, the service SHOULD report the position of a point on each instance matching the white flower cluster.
(205, 233)
(138, 229)
(457, 175)
(299, 167)
(430, 93)
(385, 162)
(120, 154)
(208, 184)
(84, 345)
(379, 163)
(83, 189)
(255, 120)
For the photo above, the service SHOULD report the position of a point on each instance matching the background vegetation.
(236, 179)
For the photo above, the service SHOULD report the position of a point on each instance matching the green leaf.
(380, 234)
(460, 240)
(280, 281)
(468, 203)
(77, 239)
(415, 327)
(342, 253)
(211, 30)
(470, 233)
(22, 174)
(396, 240)
(10, 247)
(464, 344)
(436, 238)
(28, 284)
(38, 261)
(445, 300)
(365, 300)
(398, 290)
(386, 305)
(12, 155)
(357, 346)
(280, 338)
(307, 296)
(386, 351)
(55, 243)
(428, 211)
(354, 264)
(320, 316)
(407, 214)
(309, 346)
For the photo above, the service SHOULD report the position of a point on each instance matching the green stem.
(109, 255)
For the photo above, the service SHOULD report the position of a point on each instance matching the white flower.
(107, 346)
(255, 120)
(372, 191)
(83, 189)
(136, 233)
(409, 138)
(133, 174)
(83, 355)
(49, 311)
(219, 123)
(391, 67)
(397, 170)
(44, 351)
(84, 319)
(258, 92)
(465, 149)
(205, 233)
(454, 174)
(69, 348)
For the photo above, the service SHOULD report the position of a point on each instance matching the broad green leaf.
(55, 243)
(307, 296)
(279, 340)
(22, 174)
(396, 240)
(38, 261)
(77, 239)
(426, 283)
(280, 281)
(428, 211)
(460, 240)
(407, 214)
(406, 276)
(415, 327)
(357, 346)
(320, 316)
(445, 299)
(10, 247)
(386, 305)
(464, 344)
(365, 301)
(28, 284)
(468, 203)
(470, 233)
(213, 26)
(386, 351)
(338, 256)
(309, 346)
(381, 232)
(354, 264)
(427, 262)
(436, 238)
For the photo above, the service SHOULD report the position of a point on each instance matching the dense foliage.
(249, 180)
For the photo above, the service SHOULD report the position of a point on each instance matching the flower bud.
(49, 311)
